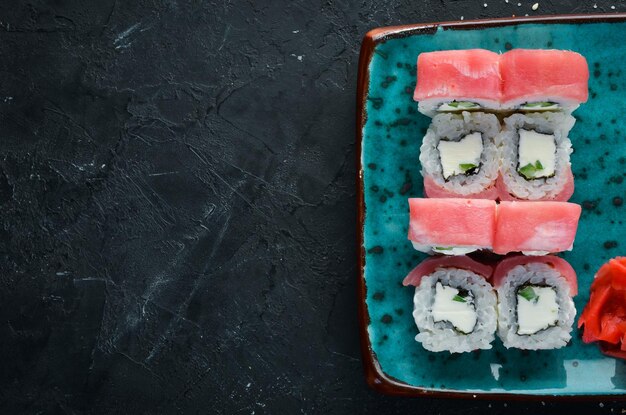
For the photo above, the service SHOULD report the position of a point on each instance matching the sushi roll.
(535, 228)
(454, 304)
(459, 157)
(535, 157)
(535, 307)
(451, 226)
(543, 80)
(457, 80)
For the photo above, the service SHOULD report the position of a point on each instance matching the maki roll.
(457, 80)
(454, 304)
(459, 157)
(535, 157)
(460, 226)
(535, 307)
(518, 80)
(451, 226)
(543, 80)
(535, 228)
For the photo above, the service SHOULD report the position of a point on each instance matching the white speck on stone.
(612, 7)
(462, 17)
(505, 405)
(248, 385)
(295, 31)
(601, 405)
(543, 403)
(473, 396)
(595, 6)
(519, 4)
(506, 1)
(299, 57)
(526, 15)
(535, 6)
(485, 5)
(103, 166)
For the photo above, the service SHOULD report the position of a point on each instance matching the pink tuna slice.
(535, 226)
(431, 189)
(430, 265)
(535, 75)
(452, 222)
(458, 74)
(559, 264)
(563, 196)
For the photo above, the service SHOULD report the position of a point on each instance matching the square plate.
(389, 131)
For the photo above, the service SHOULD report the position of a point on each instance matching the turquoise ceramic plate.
(389, 134)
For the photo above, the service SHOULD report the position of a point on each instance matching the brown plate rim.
(374, 375)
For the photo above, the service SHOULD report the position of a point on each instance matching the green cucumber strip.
(528, 293)
(528, 171)
(467, 166)
(459, 299)
(542, 104)
(463, 104)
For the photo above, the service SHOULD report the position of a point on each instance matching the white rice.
(551, 338)
(455, 126)
(558, 124)
(441, 336)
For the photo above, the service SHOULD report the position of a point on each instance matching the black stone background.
(177, 205)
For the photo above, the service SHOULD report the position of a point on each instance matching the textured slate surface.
(177, 205)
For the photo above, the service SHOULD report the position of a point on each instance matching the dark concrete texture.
(177, 205)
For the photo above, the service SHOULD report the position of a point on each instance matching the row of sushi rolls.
(497, 178)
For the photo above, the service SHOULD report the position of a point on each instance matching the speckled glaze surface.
(391, 138)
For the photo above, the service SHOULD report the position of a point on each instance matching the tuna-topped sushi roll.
(459, 157)
(535, 228)
(543, 80)
(454, 304)
(451, 226)
(457, 80)
(535, 307)
(535, 157)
